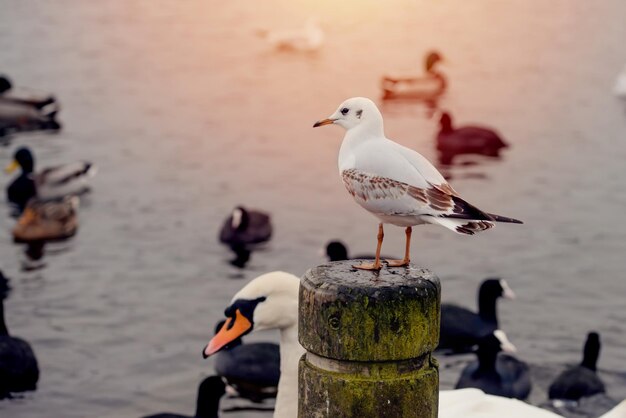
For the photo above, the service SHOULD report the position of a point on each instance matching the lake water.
(187, 112)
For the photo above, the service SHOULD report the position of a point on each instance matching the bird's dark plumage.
(5, 84)
(23, 188)
(461, 328)
(466, 140)
(19, 370)
(252, 369)
(210, 392)
(500, 375)
(252, 227)
(338, 251)
(582, 380)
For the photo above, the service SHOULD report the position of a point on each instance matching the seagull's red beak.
(227, 333)
(324, 122)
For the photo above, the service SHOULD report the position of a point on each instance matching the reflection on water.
(33, 256)
(188, 112)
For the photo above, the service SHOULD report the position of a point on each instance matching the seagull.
(396, 184)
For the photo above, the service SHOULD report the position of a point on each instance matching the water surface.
(188, 113)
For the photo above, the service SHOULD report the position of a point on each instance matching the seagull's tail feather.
(464, 210)
(462, 226)
(499, 218)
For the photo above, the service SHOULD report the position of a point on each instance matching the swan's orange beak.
(230, 331)
(324, 122)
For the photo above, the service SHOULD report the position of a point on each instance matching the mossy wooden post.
(369, 339)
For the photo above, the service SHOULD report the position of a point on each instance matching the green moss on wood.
(369, 338)
(326, 394)
(356, 315)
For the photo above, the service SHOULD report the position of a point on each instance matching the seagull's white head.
(356, 112)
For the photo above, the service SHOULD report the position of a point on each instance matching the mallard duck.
(19, 370)
(29, 97)
(582, 380)
(501, 375)
(428, 87)
(50, 183)
(461, 328)
(24, 110)
(47, 221)
(466, 140)
(20, 117)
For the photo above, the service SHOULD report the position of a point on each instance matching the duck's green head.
(22, 158)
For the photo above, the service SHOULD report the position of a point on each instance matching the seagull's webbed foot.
(398, 263)
(377, 265)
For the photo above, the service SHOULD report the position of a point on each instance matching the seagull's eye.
(345, 111)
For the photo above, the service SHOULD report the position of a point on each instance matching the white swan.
(271, 302)
(268, 302)
(474, 403)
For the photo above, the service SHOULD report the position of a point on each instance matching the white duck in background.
(620, 85)
(271, 302)
(306, 39)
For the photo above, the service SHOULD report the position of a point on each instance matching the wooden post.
(369, 339)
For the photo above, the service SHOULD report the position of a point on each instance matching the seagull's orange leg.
(407, 252)
(376, 265)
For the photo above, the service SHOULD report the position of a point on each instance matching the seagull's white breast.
(383, 178)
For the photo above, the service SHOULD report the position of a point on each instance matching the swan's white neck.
(290, 353)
